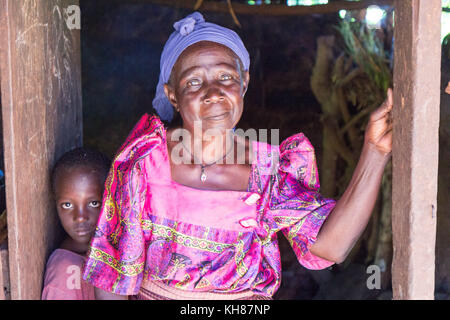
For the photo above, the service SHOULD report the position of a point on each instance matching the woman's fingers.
(390, 97)
(385, 107)
(385, 143)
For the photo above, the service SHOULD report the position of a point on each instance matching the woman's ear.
(245, 82)
(170, 94)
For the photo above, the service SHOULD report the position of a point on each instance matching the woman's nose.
(213, 94)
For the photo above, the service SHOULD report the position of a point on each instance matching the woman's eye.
(193, 82)
(66, 205)
(226, 77)
(95, 204)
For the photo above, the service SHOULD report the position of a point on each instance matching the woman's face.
(207, 85)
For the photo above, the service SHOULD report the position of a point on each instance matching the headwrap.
(188, 31)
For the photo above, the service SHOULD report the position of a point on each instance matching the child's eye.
(66, 205)
(193, 82)
(95, 204)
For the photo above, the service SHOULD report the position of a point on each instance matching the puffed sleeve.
(116, 255)
(296, 206)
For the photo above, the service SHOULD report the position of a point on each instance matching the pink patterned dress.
(153, 228)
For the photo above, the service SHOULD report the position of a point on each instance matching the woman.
(193, 212)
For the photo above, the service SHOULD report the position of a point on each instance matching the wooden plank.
(263, 9)
(42, 118)
(5, 286)
(415, 147)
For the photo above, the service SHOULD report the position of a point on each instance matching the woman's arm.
(351, 214)
(105, 295)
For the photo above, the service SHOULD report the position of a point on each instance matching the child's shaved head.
(82, 157)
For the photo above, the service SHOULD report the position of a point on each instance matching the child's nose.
(81, 215)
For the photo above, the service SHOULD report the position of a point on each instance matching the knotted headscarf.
(188, 31)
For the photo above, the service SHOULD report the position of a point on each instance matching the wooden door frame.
(42, 118)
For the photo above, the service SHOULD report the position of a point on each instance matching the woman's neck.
(209, 147)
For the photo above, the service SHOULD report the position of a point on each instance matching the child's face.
(78, 195)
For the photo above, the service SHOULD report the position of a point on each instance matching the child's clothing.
(155, 229)
(63, 277)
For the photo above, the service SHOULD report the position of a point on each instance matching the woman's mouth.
(218, 116)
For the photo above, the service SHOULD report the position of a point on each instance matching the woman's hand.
(379, 128)
(349, 218)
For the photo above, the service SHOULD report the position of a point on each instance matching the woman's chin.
(222, 124)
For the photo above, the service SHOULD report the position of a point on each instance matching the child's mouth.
(83, 232)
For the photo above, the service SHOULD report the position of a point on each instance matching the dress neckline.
(172, 181)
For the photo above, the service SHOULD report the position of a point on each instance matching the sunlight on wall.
(445, 29)
(374, 15)
(305, 2)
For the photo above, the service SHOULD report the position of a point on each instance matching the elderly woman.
(186, 216)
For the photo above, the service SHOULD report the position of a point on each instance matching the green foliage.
(446, 4)
(446, 47)
(367, 51)
(360, 78)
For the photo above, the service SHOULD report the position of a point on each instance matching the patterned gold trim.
(187, 241)
(241, 268)
(284, 221)
(127, 270)
(296, 228)
(313, 179)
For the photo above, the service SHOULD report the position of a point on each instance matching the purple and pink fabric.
(199, 240)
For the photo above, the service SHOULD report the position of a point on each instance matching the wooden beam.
(264, 9)
(42, 118)
(415, 147)
(4, 261)
(5, 284)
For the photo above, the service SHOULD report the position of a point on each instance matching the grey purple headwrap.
(188, 31)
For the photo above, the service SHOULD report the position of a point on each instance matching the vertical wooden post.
(42, 118)
(415, 146)
(5, 284)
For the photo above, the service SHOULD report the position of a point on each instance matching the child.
(77, 185)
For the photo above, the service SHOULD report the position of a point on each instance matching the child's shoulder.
(63, 275)
(63, 258)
